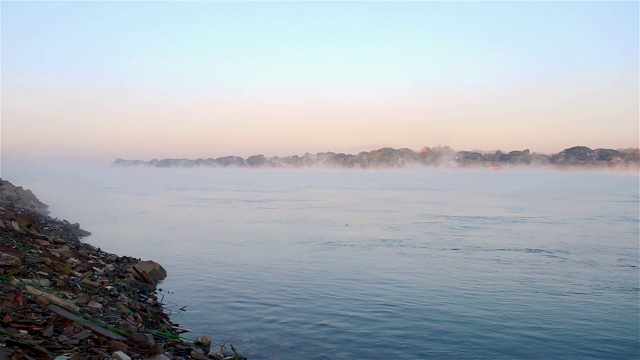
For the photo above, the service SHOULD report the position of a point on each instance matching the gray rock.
(118, 346)
(204, 342)
(9, 260)
(159, 357)
(82, 334)
(94, 305)
(216, 354)
(197, 354)
(119, 355)
(143, 340)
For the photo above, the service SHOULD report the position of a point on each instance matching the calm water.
(403, 264)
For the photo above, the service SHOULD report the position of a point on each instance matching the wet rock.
(204, 342)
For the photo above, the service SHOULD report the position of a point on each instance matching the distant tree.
(256, 160)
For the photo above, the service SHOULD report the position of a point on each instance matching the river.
(387, 264)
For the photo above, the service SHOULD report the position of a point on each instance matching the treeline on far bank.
(427, 156)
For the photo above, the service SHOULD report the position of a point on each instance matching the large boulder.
(155, 271)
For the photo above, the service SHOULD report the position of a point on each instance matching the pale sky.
(143, 80)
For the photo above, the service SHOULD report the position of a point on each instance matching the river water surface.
(397, 264)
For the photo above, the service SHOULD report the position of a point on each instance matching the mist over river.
(390, 264)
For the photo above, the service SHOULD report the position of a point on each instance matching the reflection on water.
(405, 264)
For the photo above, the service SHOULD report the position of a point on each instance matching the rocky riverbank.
(64, 299)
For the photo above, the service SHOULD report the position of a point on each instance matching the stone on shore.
(9, 260)
(64, 299)
(155, 271)
(119, 355)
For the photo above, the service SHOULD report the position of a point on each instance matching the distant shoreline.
(440, 156)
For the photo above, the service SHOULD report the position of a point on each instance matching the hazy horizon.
(96, 81)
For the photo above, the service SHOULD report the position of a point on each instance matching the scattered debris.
(66, 300)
